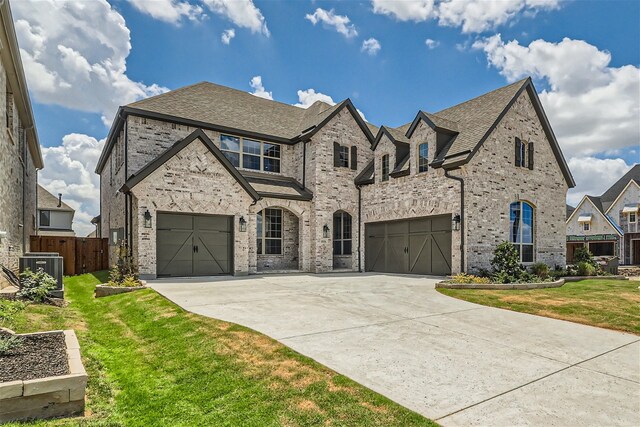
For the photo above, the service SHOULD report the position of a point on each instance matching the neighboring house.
(210, 180)
(55, 217)
(20, 155)
(608, 225)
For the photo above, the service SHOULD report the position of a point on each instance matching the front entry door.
(193, 245)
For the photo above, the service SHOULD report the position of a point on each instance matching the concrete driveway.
(452, 361)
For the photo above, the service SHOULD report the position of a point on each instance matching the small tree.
(124, 272)
(582, 254)
(506, 260)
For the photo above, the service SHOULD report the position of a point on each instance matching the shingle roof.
(277, 186)
(597, 202)
(609, 196)
(570, 210)
(367, 174)
(48, 201)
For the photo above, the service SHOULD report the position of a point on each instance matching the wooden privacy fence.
(81, 254)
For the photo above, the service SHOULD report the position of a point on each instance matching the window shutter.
(354, 157)
(530, 154)
(518, 144)
(336, 154)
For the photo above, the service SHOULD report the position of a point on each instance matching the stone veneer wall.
(416, 195)
(333, 187)
(492, 182)
(192, 181)
(17, 174)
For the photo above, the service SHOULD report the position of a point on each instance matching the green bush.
(540, 269)
(586, 269)
(36, 286)
(8, 343)
(582, 254)
(506, 264)
(124, 272)
(8, 309)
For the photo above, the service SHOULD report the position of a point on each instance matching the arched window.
(522, 230)
(341, 233)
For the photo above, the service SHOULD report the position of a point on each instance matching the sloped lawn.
(150, 363)
(612, 304)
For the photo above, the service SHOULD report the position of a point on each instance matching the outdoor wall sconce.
(325, 231)
(243, 224)
(456, 222)
(147, 219)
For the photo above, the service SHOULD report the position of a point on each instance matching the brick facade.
(194, 181)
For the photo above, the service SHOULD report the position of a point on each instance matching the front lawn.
(151, 363)
(613, 304)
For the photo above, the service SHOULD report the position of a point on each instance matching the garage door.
(419, 246)
(194, 245)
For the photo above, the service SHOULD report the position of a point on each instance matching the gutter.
(462, 217)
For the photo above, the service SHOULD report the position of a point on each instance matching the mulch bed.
(37, 356)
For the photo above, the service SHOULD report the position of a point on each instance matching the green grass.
(150, 363)
(612, 304)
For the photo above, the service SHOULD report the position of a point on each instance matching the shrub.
(8, 343)
(36, 286)
(469, 278)
(506, 261)
(586, 269)
(582, 254)
(8, 309)
(124, 272)
(540, 269)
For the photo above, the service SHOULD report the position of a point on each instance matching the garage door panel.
(190, 245)
(441, 253)
(397, 228)
(441, 224)
(396, 259)
(419, 225)
(420, 254)
(374, 255)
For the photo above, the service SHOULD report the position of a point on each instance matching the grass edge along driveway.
(606, 303)
(151, 363)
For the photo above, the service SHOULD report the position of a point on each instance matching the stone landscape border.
(540, 285)
(49, 397)
(106, 290)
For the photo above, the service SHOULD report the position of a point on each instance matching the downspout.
(304, 164)
(359, 227)
(462, 218)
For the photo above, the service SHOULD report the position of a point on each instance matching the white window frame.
(635, 216)
(262, 236)
(586, 226)
(241, 153)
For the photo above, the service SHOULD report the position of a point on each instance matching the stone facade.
(194, 181)
(18, 175)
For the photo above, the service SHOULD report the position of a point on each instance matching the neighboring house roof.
(611, 195)
(49, 202)
(16, 79)
(471, 123)
(570, 210)
(95, 219)
(210, 106)
(176, 148)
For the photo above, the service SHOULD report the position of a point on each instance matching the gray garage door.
(194, 245)
(420, 246)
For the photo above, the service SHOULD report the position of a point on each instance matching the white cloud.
(258, 88)
(306, 98)
(227, 35)
(592, 107)
(472, 15)
(431, 43)
(69, 170)
(341, 23)
(74, 55)
(594, 176)
(171, 11)
(242, 13)
(371, 46)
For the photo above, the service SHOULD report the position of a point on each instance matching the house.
(608, 225)
(20, 155)
(55, 217)
(209, 180)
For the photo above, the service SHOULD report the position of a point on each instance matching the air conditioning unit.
(52, 264)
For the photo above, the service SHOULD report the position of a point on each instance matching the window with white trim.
(522, 230)
(269, 229)
(251, 154)
(633, 217)
(586, 226)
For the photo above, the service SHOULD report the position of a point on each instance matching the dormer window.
(385, 167)
(423, 157)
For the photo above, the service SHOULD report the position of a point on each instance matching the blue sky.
(583, 55)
